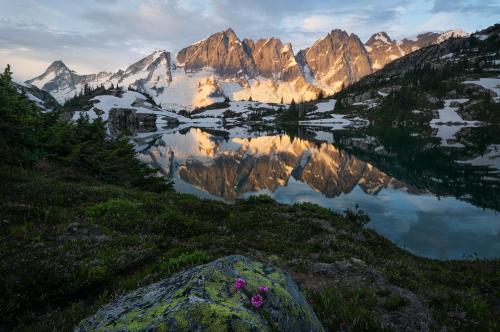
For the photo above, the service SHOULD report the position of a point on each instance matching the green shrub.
(118, 213)
(346, 309)
(395, 301)
(184, 260)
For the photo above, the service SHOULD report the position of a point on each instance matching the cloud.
(490, 7)
(438, 22)
(108, 34)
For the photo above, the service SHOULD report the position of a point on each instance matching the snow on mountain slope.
(382, 49)
(450, 123)
(240, 107)
(188, 90)
(223, 66)
(489, 83)
(41, 98)
(456, 33)
(135, 101)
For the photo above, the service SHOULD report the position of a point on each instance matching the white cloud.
(438, 22)
(108, 34)
(317, 23)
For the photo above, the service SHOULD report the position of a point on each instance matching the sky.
(96, 35)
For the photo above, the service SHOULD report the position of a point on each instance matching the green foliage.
(291, 114)
(80, 149)
(345, 309)
(314, 208)
(394, 302)
(68, 242)
(120, 213)
(184, 260)
(79, 224)
(476, 307)
(21, 125)
(260, 199)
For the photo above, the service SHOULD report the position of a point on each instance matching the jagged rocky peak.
(273, 59)
(455, 33)
(58, 66)
(159, 57)
(55, 76)
(335, 60)
(156, 68)
(380, 38)
(382, 50)
(222, 52)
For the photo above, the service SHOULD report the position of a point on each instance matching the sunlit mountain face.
(406, 194)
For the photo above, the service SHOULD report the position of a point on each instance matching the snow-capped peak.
(57, 71)
(379, 37)
(57, 66)
(456, 33)
(383, 37)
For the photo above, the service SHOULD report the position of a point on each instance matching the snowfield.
(240, 107)
(325, 106)
(131, 100)
(450, 123)
(337, 121)
(492, 84)
(449, 115)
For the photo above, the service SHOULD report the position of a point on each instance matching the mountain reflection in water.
(291, 170)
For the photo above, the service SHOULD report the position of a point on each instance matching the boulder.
(204, 298)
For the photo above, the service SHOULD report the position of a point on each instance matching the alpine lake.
(431, 190)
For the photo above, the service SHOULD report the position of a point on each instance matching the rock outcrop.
(223, 52)
(205, 298)
(273, 59)
(337, 60)
(382, 50)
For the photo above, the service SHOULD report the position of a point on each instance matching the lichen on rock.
(204, 298)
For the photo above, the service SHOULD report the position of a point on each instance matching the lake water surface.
(437, 199)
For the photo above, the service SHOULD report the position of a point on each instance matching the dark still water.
(431, 197)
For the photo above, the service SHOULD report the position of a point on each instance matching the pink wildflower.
(257, 301)
(263, 289)
(240, 283)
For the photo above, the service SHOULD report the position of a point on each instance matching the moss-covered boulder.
(205, 298)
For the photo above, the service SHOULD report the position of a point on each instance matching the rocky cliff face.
(155, 69)
(382, 50)
(265, 70)
(58, 77)
(273, 59)
(223, 52)
(335, 60)
(151, 73)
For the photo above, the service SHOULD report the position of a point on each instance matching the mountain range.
(224, 66)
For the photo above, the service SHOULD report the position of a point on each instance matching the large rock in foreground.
(205, 298)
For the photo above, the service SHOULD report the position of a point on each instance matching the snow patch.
(492, 84)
